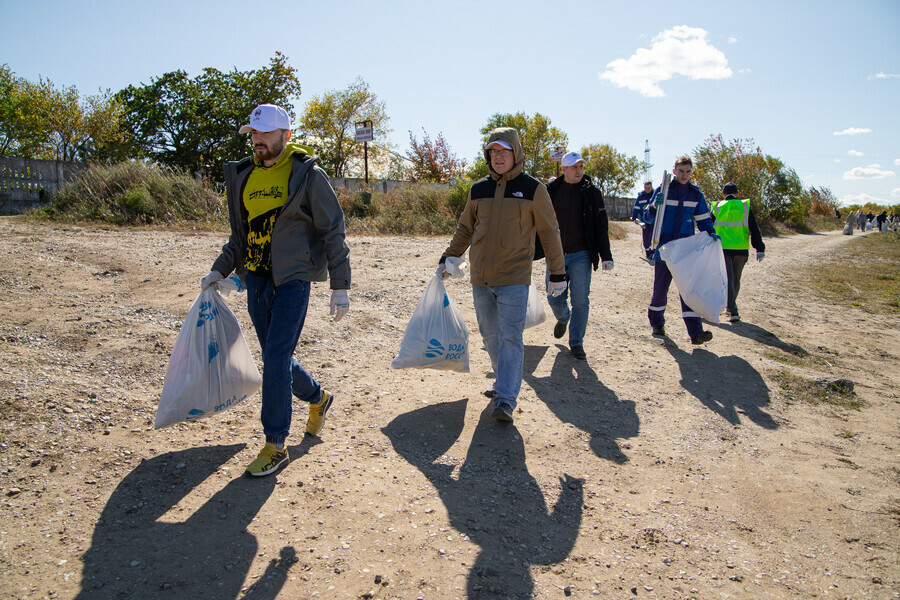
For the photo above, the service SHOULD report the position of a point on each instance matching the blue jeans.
(501, 320)
(278, 314)
(578, 268)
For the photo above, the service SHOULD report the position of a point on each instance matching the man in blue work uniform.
(685, 207)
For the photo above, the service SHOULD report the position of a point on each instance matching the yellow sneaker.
(270, 459)
(317, 413)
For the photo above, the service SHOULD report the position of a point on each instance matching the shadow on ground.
(727, 385)
(576, 395)
(491, 498)
(763, 336)
(207, 553)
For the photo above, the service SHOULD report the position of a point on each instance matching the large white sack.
(436, 336)
(697, 265)
(211, 367)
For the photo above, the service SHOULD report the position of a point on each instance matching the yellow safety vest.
(733, 223)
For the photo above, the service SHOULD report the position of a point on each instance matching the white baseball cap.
(571, 159)
(267, 117)
(499, 143)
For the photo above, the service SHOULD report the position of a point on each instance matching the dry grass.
(866, 274)
(795, 388)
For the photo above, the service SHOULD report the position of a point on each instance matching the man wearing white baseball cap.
(287, 230)
(584, 230)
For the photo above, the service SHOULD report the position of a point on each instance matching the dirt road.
(652, 470)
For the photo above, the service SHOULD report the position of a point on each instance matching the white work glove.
(442, 271)
(607, 265)
(340, 304)
(760, 256)
(556, 288)
(210, 279)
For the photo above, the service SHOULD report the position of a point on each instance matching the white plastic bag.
(436, 336)
(211, 367)
(534, 314)
(697, 265)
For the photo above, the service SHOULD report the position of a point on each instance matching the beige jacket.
(499, 222)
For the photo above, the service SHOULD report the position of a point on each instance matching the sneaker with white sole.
(270, 459)
(317, 413)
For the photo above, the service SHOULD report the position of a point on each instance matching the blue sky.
(816, 84)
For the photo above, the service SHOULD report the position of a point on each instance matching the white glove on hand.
(210, 279)
(442, 271)
(340, 304)
(607, 265)
(760, 256)
(556, 288)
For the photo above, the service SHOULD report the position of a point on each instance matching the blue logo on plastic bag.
(446, 300)
(206, 314)
(194, 414)
(213, 349)
(435, 348)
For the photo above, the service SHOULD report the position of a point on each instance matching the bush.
(409, 210)
(134, 193)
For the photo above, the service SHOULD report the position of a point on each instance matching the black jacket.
(594, 218)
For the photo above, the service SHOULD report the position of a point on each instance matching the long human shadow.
(763, 336)
(575, 394)
(492, 499)
(725, 385)
(133, 554)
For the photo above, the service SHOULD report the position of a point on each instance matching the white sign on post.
(556, 155)
(365, 134)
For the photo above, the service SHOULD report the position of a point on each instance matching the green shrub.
(134, 193)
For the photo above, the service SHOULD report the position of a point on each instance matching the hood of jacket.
(290, 149)
(511, 137)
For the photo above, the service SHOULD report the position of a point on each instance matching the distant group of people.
(287, 230)
(869, 221)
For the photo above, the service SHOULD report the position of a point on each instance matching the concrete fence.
(352, 184)
(26, 184)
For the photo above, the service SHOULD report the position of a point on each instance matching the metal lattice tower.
(647, 164)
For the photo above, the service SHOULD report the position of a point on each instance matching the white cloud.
(681, 50)
(895, 193)
(853, 131)
(897, 162)
(733, 40)
(855, 153)
(870, 172)
(883, 75)
(837, 160)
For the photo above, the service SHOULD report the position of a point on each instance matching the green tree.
(615, 173)
(39, 120)
(773, 188)
(82, 128)
(329, 122)
(22, 132)
(717, 162)
(193, 122)
(538, 138)
(432, 160)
